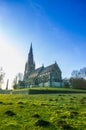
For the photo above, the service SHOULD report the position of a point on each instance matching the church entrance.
(36, 81)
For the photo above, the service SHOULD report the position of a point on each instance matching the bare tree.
(17, 80)
(2, 74)
(7, 84)
(20, 76)
(15, 83)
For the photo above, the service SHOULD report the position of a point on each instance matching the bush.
(66, 83)
(79, 83)
(15, 86)
(21, 84)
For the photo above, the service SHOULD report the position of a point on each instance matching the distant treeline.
(78, 83)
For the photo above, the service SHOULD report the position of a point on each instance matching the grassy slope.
(62, 111)
(51, 88)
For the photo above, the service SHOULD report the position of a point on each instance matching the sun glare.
(10, 60)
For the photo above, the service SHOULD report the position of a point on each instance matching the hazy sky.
(56, 28)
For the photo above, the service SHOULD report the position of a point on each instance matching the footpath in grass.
(43, 112)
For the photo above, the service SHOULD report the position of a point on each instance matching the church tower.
(30, 64)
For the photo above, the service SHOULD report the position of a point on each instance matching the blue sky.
(57, 29)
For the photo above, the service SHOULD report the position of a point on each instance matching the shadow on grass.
(63, 124)
(10, 113)
(45, 125)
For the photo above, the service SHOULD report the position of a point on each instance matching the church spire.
(30, 64)
(30, 55)
(31, 49)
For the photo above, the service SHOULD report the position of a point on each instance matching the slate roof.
(50, 68)
(43, 70)
(36, 72)
(47, 69)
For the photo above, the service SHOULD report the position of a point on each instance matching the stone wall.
(51, 84)
(35, 91)
(20, 92)
(5, 91)
(57, 84)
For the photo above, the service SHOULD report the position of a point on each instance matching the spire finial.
(42, 65)
(31, 50)
(31, 43)
(55, 62)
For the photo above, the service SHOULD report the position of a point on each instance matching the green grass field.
(43, 112)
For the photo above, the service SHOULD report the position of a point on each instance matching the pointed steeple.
(30, 64)
(30, 55)
(31, 49)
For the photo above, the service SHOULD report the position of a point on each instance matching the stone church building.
(42, 76)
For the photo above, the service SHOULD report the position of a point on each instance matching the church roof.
(50, 68)
(43, 70)
(47, 69)
(36, 72)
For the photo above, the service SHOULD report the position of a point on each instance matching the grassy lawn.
(43, 112)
